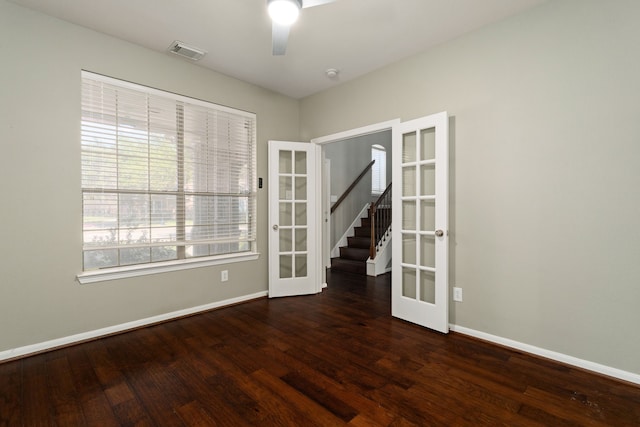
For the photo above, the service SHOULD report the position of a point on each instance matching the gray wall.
(545, 179)
(41, 210)
(348, 158)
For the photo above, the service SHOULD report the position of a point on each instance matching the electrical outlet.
(457, 294)
(224, 275)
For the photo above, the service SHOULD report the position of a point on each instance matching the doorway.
(347, 153)
(420, 171)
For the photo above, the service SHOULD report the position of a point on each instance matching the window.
(379, 169)
(164, 177)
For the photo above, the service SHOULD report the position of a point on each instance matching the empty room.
(381, 213)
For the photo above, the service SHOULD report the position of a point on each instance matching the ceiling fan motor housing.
(284, 12)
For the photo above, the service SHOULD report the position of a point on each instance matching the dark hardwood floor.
(332, 359)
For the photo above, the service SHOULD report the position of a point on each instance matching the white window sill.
(161, 267)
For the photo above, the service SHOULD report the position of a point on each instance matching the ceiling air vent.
(190, 52)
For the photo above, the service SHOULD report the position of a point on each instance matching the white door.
(293, 241)
(326, 212)
(419, 281)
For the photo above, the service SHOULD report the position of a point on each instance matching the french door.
(420, 166)
(294, 255)
(419, 281)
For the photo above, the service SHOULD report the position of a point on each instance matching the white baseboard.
(559, 357)
(85, 336)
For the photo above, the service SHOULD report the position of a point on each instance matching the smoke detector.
(332, 73)
(189, 52)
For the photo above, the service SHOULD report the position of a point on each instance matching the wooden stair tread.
(353, 253)
(353, 257)
(362, 231)
(359, 242)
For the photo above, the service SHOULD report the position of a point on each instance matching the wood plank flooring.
(332, 359)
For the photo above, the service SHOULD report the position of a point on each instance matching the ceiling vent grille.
(189, 52)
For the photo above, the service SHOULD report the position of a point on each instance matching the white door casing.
(419, 283)
(294, 255)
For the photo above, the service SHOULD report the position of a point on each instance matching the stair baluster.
(380, 214)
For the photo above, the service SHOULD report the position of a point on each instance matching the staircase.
(353, 257)
(360, 254)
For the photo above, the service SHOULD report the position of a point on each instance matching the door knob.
(275, 227)
(439, 233)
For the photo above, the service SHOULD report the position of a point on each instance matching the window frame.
(139, 269)
(379, 171)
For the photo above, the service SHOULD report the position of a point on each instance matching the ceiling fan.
(283, 14)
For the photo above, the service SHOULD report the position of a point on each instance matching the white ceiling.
(353, 36)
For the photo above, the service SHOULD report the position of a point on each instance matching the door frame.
(323, 186)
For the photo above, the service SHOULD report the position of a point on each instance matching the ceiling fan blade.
(311, 3)
(279, 36)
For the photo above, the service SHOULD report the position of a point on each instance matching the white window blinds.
(164, 177)
(379, 169)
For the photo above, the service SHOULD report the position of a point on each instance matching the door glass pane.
(301, 188)
(301, 214)
(428, 144)
(409, 181)
(428, 251)
(286, 214)
(409, 249)
(285, 162)
(408, 215)
(301, 265)
(428, 180)
(286, 266)
(286, 192)
(409, 147)
(427, 215)
(301, 162)
(409, 282)
(285, 240)
(427, 287)
(301, 239)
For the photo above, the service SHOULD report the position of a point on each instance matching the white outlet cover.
(457, 294)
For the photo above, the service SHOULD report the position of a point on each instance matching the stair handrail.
(352, 186)
(380, 220)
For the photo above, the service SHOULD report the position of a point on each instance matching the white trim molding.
(353, 133)
(553, 355)
(161, 267)
(123, 327)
